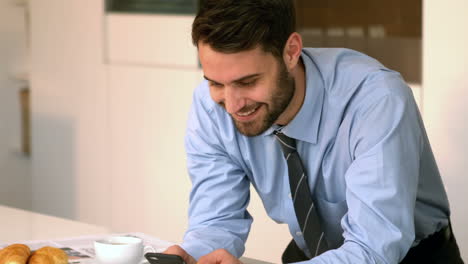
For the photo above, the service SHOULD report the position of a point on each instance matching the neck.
(298, 73)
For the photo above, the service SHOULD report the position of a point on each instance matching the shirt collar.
(305, 125)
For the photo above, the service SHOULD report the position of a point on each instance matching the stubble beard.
(280, 99)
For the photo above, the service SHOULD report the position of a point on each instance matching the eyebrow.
(242, 79)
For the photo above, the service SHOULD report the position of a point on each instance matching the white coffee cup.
(120, 250)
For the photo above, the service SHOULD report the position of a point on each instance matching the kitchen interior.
(85, 87)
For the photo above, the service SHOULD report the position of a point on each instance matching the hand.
(177, 250)
(219, 256)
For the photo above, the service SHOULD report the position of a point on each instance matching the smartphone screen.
(160, 258)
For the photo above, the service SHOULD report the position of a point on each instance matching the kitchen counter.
(21, 225)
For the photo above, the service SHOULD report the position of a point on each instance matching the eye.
(248, 83)
(215, 84)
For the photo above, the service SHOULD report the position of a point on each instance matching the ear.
(292, 50)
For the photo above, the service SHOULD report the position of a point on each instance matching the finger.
(219, 256)
(177, 250)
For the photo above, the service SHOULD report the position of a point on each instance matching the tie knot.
(287, 144)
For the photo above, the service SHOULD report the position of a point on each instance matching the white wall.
(445, 82)
(69, 110)
(150, 186)
(14, 166)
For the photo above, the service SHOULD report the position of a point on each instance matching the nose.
(233, 100)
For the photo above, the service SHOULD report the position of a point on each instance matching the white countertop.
(20, 225)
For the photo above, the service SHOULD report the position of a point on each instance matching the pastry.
(48, 255)
(15, 254)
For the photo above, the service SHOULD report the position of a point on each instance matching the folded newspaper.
(80, 250)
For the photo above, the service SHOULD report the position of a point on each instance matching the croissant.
(15, 254)
(48, 255)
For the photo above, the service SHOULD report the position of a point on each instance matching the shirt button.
(290, 196)
(298, 233)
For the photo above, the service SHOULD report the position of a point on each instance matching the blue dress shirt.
(360, 136)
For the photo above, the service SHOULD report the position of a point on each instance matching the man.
(368, 190)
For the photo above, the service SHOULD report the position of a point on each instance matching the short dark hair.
(231, 26)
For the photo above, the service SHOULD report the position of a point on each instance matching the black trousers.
(439, 248)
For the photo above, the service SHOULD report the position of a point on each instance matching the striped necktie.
(306, 212)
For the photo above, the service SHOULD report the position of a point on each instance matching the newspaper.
(80, 250)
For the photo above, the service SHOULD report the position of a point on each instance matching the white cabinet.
(151, 40)
(152, 71)
(148, 112)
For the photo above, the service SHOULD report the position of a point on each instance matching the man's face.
(253, 86)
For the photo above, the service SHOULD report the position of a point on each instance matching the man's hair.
(231, 26)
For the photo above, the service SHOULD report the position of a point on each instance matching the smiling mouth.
(249, 112)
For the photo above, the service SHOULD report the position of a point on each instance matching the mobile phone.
(160, 258)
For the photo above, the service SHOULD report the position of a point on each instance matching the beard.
(279, 101)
